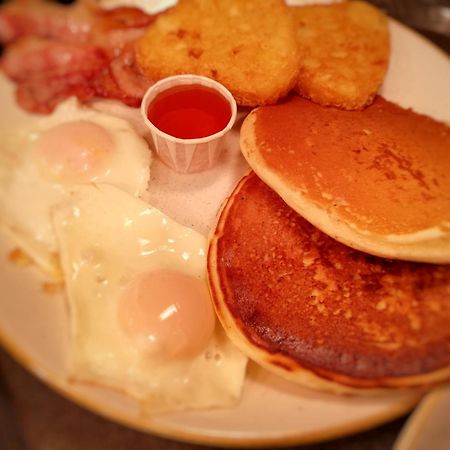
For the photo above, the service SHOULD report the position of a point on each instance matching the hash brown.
(318, 312)
(344, 50)
(249, 46)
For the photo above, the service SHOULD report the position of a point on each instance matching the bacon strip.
(43, 95)
(59, 51)
(127, 75)
(44, 19)
(36, 57)
(47, 72)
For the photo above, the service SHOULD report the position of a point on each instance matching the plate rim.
(146, 425)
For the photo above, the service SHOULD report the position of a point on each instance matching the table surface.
(33, 417)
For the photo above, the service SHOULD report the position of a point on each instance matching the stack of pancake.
(329, 264)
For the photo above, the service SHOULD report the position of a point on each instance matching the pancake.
(249, 46)
(318, 312)
(344, 53)
(376, 180)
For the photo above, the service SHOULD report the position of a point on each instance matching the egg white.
(107, 238)
(28, 194)
(149, 7)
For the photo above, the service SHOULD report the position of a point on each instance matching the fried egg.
(41, 160)
(141, 316)
(153, 7)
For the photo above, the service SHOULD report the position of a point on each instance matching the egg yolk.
(75, 151)
(167, 313)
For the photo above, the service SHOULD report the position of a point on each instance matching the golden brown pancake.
(344, 52)
(377, 180)
(318, 312)
(249, 46)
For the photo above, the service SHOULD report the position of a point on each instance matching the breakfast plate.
(34, 319)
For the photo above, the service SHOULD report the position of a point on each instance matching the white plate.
(34, 325)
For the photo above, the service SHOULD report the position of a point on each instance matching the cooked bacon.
(122, 18)
(56, 51)
(44, 19)
(48, 71)
(114, 41)
(42, 95)
(106, 86)
(80, 22)
(36, 57)
(127, 75)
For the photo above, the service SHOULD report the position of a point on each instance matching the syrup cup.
(187, 155)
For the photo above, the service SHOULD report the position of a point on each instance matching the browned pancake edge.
(376, 180)
(325, 344)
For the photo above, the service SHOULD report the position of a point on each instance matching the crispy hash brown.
(318, 312)
(249, 46)
(344, 51)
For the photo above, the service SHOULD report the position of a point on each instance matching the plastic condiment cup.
(187, 155)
